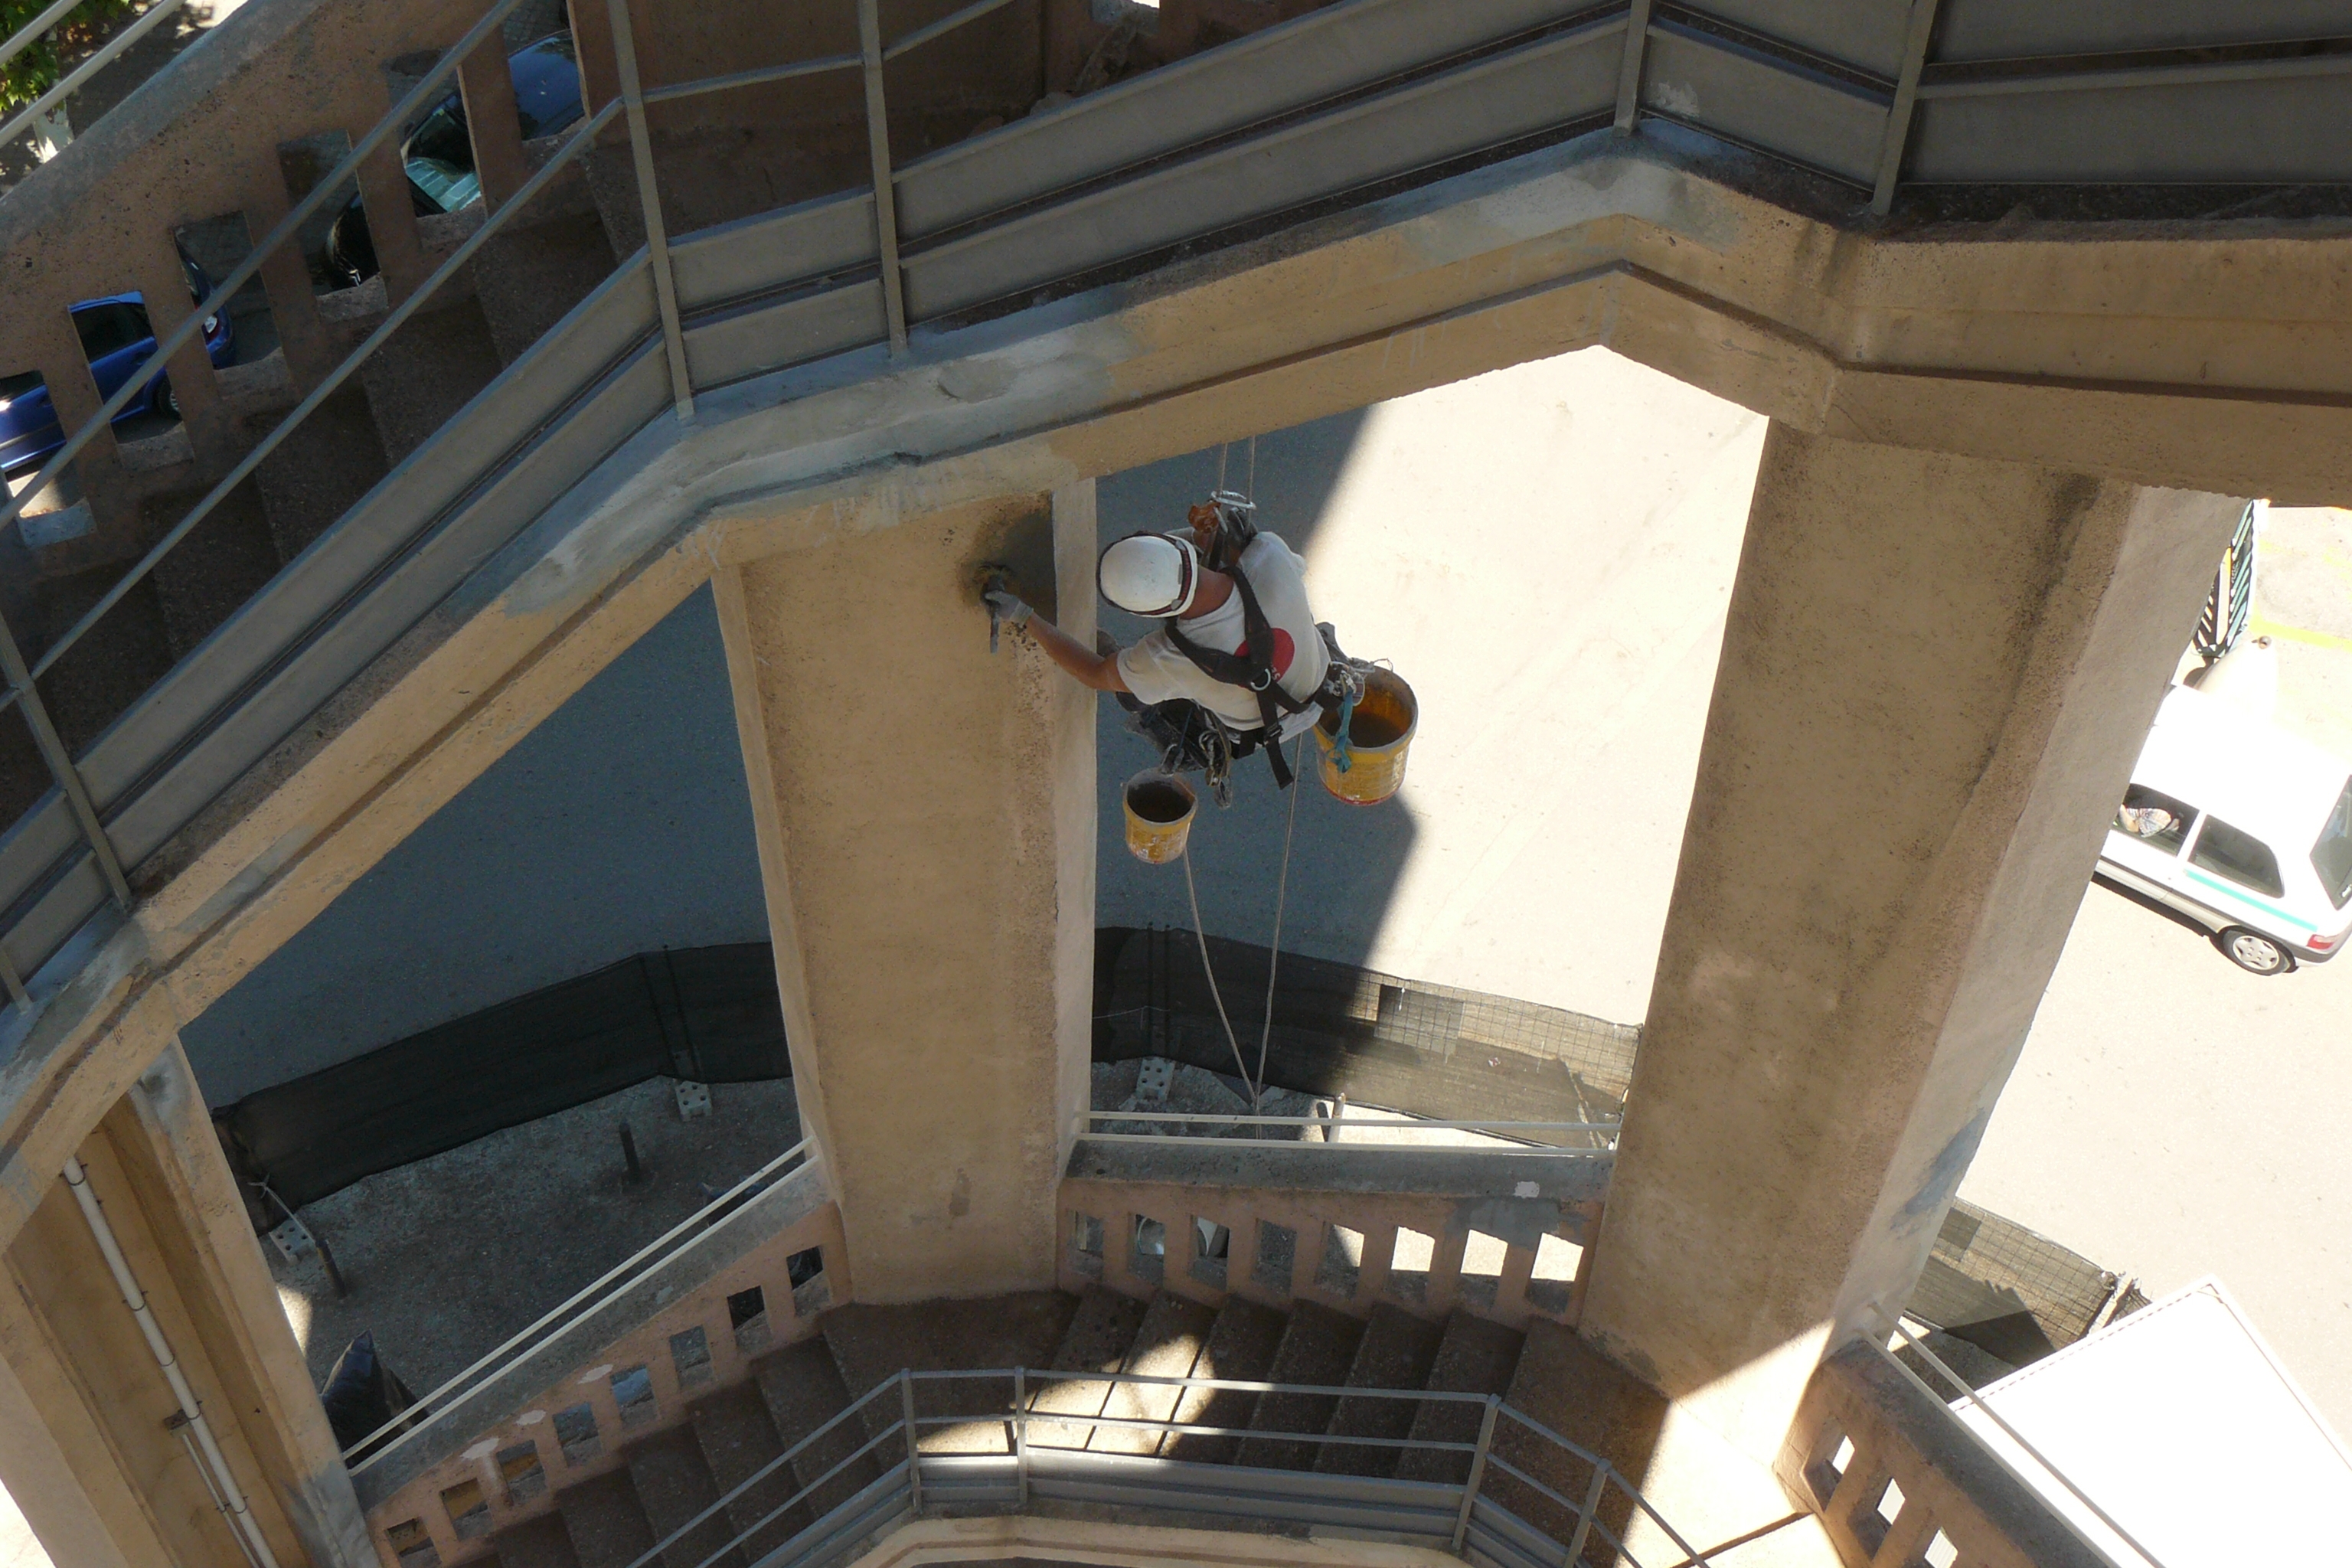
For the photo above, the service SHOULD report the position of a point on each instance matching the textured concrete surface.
(620, 825)
(529, 1216)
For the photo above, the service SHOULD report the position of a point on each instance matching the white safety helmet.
(1153, 574)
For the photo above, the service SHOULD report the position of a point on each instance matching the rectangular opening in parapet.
(1553, 1285)
(747, 1314)
(30, 432)
(633, 1391)
(1210, 1242)
(1085, 1245)
(575, 1433)
(1409, 1265)
(468, 1510)
(689, 1357)
(1874, 1514)
(1481, 1270)
(411, 1547)
(1832, 1452)
(1278, 1256)
(1940, 1552)
(337, 250)
(520, 1470)
(1147, 1254)
(811, 1292)
(1343, 1259)
(252, 364)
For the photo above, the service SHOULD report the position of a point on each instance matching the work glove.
(1007, 608)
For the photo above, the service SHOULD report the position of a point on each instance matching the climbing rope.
(1216, 994)
(1274, 953)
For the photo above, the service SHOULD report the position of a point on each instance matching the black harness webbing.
(1254, 673)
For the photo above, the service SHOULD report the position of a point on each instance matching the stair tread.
(527, 279)
(320, 470)
(540, 1543)
(111, 668)
(1100, 1333)
(803, 1389)
(1242, 1345)
(1571, 1388)
(871, 1343)
(1396, 1352)
(1318, 1346)
(429, 370)
(207, 576)
(1169, 1344)
(606, 1522)
(1476, 1357)
(673, 1485)
(737, 1438)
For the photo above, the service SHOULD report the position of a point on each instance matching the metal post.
(1021, 1432)
(1628, 67)
(16, 982)
(886, 197)
(1592, 1506)
(61, 767)
(632, 101)
(1478, 1475)
(914, 1453)
(1907, 99)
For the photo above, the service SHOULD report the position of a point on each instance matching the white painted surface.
(2179, 1403)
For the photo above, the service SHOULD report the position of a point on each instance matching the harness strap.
(1254, 674)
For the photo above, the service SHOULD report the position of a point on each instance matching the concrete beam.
(1935, 674)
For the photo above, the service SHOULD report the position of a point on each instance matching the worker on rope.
(1238, 661)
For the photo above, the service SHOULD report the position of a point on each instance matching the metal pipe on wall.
(211, 1460)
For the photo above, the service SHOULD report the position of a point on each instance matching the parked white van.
(2243, 829)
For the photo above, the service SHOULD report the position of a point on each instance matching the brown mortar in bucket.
(1156, 800)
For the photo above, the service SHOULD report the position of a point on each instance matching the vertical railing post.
(61, 766)
(1592, 1506)
(1629, 68)
(1478, 1474)
(914, 1450)
(1021, 1434)
(886, 195)
(641, 148)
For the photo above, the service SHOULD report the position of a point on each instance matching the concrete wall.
(619, 824)
(1935, 674)
(927, 834)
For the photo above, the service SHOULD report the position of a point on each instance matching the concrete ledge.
(1019, 1537)
(1325, 1168)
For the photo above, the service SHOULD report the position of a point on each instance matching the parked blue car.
(117, 338)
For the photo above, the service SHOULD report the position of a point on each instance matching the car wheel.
(167, 401)
(2254, 952)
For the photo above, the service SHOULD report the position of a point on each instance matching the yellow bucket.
(1160, 808)
(1380, 732)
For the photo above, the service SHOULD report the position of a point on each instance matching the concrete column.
(926, 825)
(1936, 675)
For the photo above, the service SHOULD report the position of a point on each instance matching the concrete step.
(803, 1389)
(1175, 1333)
(674, 1484)
(737, 1438)
(1100, 1335)
(1396, 1352)
(606, 1522)
(1241, 1345)
(320, 470)
(128, 651)
(1566, 1384)
(1318, 1346)
(207, 576)
(871, 1344)
(1474, 1357)
(541, 1542)
(526, 279)
(436, 362)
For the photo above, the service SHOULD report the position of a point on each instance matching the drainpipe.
(192, 1418)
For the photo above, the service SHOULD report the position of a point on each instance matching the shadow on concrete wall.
(1345, 860)
(621, 825)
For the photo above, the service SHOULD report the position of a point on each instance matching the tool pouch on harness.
(1254, 672)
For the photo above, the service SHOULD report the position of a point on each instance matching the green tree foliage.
(35, 71)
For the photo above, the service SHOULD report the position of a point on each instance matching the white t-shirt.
(1156, 670)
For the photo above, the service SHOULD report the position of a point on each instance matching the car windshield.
(2332, 855)
(447, 186)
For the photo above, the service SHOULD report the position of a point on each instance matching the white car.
(2243, 828)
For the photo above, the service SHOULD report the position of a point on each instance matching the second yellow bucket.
(1380, 732)
(1160, 808)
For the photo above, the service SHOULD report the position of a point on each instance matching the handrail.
(1024, 1414)
(1415, 1122)
(698, 1216)
(1603, 1132)
(71, 82)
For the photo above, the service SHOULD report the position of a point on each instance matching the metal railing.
(22, 676)
(1520, 1137)
(68, 84)
(632, 1273)
(1030, 1458)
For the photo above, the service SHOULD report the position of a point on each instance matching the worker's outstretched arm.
(1088, 668)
